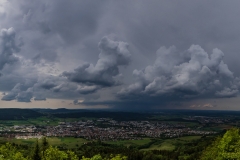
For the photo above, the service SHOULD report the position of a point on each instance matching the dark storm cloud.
(60, 37)
(113, 55)
(148, 25)
(75, 101)
(11, 95)
(7, 47)
(183, 75)
(25, 96)
(54, 87)
(47, 55)
(40, 98)
(87, 89)
(81, 16)
(48, 26)
(47, 83)
(18, 93)
(41, 89)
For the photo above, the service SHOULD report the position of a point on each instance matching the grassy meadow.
(66, 142)
(130, 142)
(156, 144)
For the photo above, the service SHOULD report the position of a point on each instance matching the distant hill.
(225, 147)
(17, 114)
(59, 110)
(79, 113)
(121, 116)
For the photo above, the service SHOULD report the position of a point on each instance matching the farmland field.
(130, 142)
(171, 144)
(67, 142)
(71, 142)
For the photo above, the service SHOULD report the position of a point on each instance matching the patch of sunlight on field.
(162, 146)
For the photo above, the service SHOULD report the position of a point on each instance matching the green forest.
(222, 147)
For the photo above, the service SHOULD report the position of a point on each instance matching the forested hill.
(23, 114)
(224, 148)
(60, 110)
(17, 114)
(121, 116)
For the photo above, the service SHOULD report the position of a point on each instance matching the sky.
(128, 54)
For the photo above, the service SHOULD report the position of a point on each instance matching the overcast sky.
(128, 54)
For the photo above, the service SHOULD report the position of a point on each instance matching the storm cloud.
(107, 52)
(18, 93)
(8, 47)
(113, 54)
(183, 75)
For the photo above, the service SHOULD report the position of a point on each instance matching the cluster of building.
(28, 137)
(105, 129)
(206, 119)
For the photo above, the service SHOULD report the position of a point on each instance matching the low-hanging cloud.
(183, 75)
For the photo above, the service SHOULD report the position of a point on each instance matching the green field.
(130, 142)
(67, 142)
(171, 144)
(163, 146)
(44, 120)
(157, 144)
(71, 142)
(32, 121)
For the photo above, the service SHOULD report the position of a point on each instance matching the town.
(104, 129)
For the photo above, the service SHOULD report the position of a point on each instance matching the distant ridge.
(59, 110)
(17, 114)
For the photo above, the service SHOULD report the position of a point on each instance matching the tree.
(45, 146)
(118, 157)
(52, 153)
(227, 147)
(72, 155)
(99, 157)
(96, 157)
(36, 152)
(8, 151)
